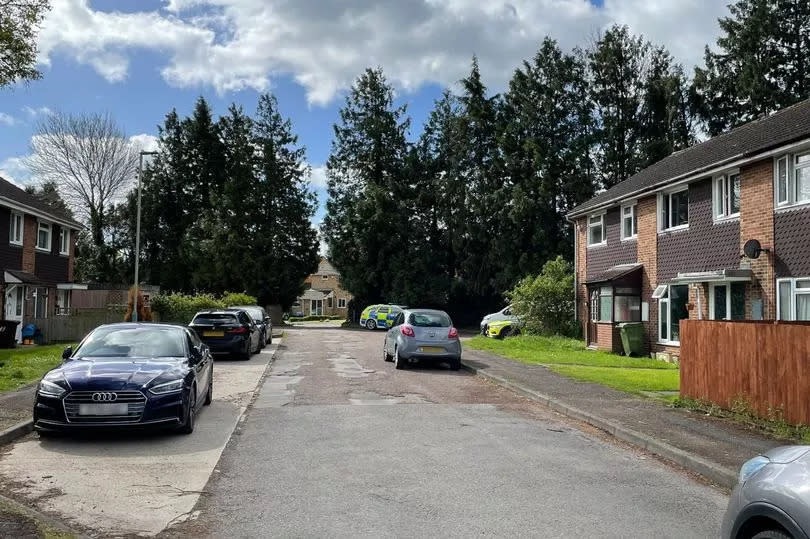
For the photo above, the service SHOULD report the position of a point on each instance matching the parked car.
(379, 316)
(772, 499)
(501, 324)
(422, 334)
(127, 375)
(232, 333)
(262, 319)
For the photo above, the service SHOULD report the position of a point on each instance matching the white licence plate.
(103, 409)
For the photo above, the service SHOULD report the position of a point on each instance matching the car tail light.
(239, 331)
(453, 333)
(407, 330)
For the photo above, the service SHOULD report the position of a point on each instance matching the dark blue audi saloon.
(127, 375)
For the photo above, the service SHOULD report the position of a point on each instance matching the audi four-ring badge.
(127, 376)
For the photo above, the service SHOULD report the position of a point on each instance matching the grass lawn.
(23, 365)
(628, 380)
(570, 357)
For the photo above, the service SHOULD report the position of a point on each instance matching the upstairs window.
(727, 196)
(674, 208)
(629, 221)
(15, 234)
(596, 230)
(64, 241)
(792, 179)
(44, 236)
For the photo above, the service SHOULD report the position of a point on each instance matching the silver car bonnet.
(787, 453)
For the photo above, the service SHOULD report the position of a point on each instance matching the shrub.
(545, 302)
(315, 318)
(180, 308)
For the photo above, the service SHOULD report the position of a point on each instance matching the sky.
(138, 59)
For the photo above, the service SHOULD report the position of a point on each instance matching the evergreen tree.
(48, 193)
(363, 226)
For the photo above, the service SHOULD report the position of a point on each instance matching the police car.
(501, 324)
(379, 316)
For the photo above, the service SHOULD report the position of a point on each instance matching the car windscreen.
(212, 319)
(133, 342)
(429, 320)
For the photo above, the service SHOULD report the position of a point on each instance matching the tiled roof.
(10, 191)
(614, 273)
(781, 128)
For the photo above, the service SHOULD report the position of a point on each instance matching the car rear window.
(133, 342)
(215, 319)
(254, 312)
(429, 320)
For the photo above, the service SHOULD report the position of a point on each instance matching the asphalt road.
(136, 484)
(340, 444)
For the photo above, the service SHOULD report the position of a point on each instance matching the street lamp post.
(138, 235)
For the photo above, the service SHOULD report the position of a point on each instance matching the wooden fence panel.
(74, 327)
(765, 363)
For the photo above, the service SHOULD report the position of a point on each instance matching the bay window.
(626, 304)
(674, 210)
(793, 299)
(727, 196)
(672, 301)
(596, 230)
(629, 221)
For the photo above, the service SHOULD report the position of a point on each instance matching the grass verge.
(629, 380)
(18, 522)
(21, 366)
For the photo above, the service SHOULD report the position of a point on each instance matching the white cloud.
(324, 44)
(7, 119)
(145, 142)
(15, 170)
(33, 112)
(317, 177)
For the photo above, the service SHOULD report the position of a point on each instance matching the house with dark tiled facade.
(37, 252)
(667, 243)
(324, 295)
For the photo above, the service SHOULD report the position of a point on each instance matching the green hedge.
(180, 308)
(314, 318)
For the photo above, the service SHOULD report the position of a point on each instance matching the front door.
(316, 309)
(15, 306)
(593, 316)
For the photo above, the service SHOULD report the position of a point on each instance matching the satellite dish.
(752, 249)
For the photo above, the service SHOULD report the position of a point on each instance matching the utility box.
(632, 334)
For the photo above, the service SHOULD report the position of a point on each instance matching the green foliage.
(314, 318)
(545, 303)
(628, 380)
(20, 366)
(180, 308)
(19, 24)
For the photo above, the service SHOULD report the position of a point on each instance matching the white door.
(15, 306)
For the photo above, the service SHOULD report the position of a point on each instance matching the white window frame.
(49, 227)
(63, 298)
(666, 198)
(712, 286)
(722, 195)
(793, 293)
(341, 303)
(664, 299)
(64, 241)
(601, 217)
(633, 216)
(324, 277)
(789, 199)
(37, 299)
(15, 231)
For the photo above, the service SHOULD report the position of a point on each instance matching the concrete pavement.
(132, 484)
(340, 444)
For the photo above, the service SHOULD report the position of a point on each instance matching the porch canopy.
(621, 272)
(718, 276)
(22, 277)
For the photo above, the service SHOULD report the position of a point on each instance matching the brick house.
(667, 243)
(324, 295)
(37, 256)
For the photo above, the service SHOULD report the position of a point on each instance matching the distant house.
(325, 296)
(669, 243)
(37, 257)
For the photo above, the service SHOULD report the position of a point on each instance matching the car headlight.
(750, 468)
(49, 389)
(167, 387)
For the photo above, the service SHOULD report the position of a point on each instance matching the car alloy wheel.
(209, 395)
(399, 363)
(371, 324)
(188, 424)
(386, 355)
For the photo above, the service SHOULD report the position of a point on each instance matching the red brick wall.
(582, 291)
(756, 222)
(332, 282)
(648, 256)
(29, 243)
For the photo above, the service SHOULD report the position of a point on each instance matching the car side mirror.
(66, 353)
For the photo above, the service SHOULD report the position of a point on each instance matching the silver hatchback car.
(422, 334)
(772, 499)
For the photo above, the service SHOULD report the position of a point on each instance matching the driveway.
(136, 483)
(338, 443)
